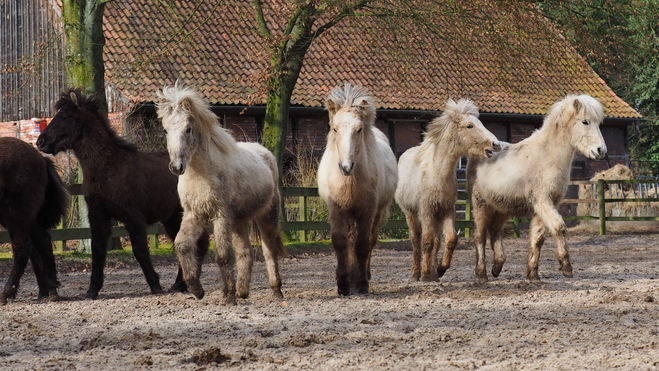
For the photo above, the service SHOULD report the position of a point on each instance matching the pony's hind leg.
(415, 239)
(496, 242)
(225, 259)
(450, 243)
(244, 259)
(430, 234)
(192, 229)
(536, 240)
(273, 249)
(43, 262)
(21, 249)
(482, 219)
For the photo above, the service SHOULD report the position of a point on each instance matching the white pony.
(530, 178)
(357, 179)
(223, 181)
(428, 187)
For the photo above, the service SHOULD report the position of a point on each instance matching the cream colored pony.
(530, 178)
(224, 182)
(357, 179)
(428, 187)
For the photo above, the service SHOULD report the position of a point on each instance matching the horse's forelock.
(352, 96)
(582, 105)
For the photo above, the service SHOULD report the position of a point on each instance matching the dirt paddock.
(606, 317)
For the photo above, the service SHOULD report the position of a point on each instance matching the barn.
(512, 77)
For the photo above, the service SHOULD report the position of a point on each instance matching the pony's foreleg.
(536, 240)
(101, 227)
(244, 259)
(496, 242)
(339, 226)
(225, 259)
(556, 226)
(363, 251)
(139, 241)
(450, 242)
(192, 229)
(273, 247)
(415, 238)
(21, 249)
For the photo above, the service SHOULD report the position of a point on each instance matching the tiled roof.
(225, 59)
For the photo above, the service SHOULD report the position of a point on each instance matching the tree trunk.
(83, 28)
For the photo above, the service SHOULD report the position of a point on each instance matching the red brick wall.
(407, 134)
(519, 132)
(312, 132)
(243, 128)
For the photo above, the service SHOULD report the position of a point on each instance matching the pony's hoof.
(277, 293)
(156, 290)
(90, 295)
(429, 278)
(534, 279)
(567, 271)
(482, 279)
(197, 291)
(179, 287)
(343, 290)
(441, 271)
(242, 295)
(496, 271)
(363, 288)
(415, 277)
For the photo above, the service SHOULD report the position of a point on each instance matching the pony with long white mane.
(428, 187)
(225, 182)
(530, 178)
(357, 179)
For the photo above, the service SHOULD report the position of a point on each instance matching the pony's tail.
(57, 200)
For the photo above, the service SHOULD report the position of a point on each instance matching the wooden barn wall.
(32, 69)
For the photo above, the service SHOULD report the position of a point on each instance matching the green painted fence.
(303, 223)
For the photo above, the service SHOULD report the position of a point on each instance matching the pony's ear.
(362, 107)
(186, 104)
(331, 107)
(577, 104)
(74, 97)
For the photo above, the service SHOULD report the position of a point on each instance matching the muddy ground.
(606, 317)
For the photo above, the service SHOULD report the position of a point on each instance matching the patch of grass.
(311, 247)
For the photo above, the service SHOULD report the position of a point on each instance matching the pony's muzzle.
(347, 169)
(599, 153)
(177, 169)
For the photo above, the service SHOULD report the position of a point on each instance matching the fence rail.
(303, 224)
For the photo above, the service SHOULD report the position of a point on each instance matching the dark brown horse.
(121, 183)
(32, 200)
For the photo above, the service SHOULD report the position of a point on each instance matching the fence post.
(302, 216)
(467, 216)
(516, 227)
(600, 198)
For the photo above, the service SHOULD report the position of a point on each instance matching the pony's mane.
(589, 108)
(188, 99)
(452, 112)
(75, 100)
(354, 96)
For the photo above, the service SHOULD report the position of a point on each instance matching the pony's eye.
(334, 129)
(164, 131)
(585, 122)
(470, 126)
(188, 130)
(360, 130)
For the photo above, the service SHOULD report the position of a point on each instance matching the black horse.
(119, 182)
(32, 201)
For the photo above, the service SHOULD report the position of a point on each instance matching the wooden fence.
(463, 208)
